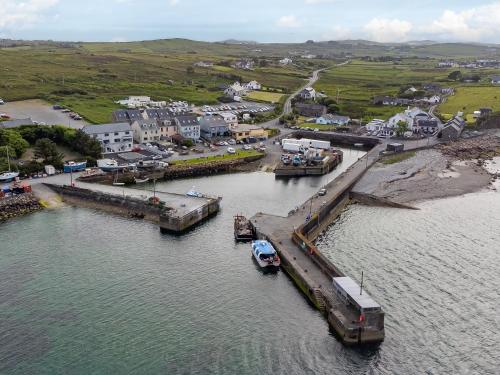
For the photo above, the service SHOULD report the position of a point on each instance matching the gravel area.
(427, 175)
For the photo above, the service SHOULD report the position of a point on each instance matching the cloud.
(288, 21)
(20, 14)
(472, 24)
(173, 2)
(388, 30)
(337, 33)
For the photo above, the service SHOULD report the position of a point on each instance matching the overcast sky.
(259, 20)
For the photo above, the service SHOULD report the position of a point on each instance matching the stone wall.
(18, 205)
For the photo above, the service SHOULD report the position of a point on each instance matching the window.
(117, 140)
(116, 133)
(106, 134)
(127, 133)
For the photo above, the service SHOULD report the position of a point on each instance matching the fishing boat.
(8, 176)
(243, 230)
(265, 254)
(72, 166)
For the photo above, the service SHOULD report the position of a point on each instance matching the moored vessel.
(72, 166)
(265, 254)
(243, 229)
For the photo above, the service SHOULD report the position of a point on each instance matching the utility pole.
(361, 288)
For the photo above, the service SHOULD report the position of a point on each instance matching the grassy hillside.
(468, 99)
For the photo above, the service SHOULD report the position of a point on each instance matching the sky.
(256, 20)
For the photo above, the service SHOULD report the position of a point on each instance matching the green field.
(471, 98)
(270, 97)
(90, 77)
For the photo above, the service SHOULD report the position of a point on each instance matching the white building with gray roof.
(114, 138)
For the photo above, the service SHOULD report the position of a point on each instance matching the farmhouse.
(116, 137)
(310, 110)
(252, 85)
(188, 126)
(308, 94)
(495, 80)
(330, 119)
(236, 89)
(375, 125)
(286, 61)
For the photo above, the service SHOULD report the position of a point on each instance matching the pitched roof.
(187, 120)
(211, 121)
(107, 128)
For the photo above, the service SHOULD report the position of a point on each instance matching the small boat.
(72, 166)
(194, 193)
(141, 181)
(118, 183)
(110, 165)
(243, 230)
(265, 254)
(8, 176)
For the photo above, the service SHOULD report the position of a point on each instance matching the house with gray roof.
(117, 137)
(495, 80)
(330, 119)
(453, 129)
(146, 131)
(213, 126)
(188, 126)
(126, 115)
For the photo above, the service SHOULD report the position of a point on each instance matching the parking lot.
(237, 108)
(40, 112)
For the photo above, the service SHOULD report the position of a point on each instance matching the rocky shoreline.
(18, 205)
(445, 171)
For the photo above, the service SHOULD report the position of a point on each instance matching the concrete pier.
(175, 213)
(285, 171)
(311, 271)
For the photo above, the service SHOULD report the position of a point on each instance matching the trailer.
(293, 147)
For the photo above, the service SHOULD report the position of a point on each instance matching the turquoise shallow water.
(83, 292)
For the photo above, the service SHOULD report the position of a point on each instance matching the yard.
(270, 97)
(471, 98)
(240, 154)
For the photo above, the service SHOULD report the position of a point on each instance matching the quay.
(312, 272)
(331, 161)
(174, 213)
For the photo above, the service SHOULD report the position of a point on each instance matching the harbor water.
(84, 292)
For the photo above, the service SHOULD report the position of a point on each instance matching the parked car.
(1, 101)
(231, 150)
(322, 192)
(231, 142)
(247, 147)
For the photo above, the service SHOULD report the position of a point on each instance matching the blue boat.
(265, 254)
(72, 166)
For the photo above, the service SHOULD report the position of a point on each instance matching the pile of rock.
(485, 147)
(18, 205)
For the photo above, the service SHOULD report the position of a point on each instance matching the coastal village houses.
(253, 85)
(495, 80)
(188, 126)
(116, 137)
(213, 126)
(230, 118)
(146, 131)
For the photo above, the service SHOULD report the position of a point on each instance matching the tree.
(17, 145)
(333, 108)
(455, 76)
(402, 127)
(46, 149)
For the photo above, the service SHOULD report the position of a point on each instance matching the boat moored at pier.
(243, 229)
(265, 254)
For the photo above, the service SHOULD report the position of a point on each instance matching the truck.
(323, 145)
(50, 170)
(293, 147)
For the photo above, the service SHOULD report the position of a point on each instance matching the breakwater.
(312, 272)
(174, 213)
(331, 161)
(339, 138)
(18, 205)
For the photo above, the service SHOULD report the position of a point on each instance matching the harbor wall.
(170, 223)
(115, 204)
(338, 138)
(316, 170)
(18, 205)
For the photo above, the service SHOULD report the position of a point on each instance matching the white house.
(436, 99)
(188, 126)
(253, 85)
(135, 101)
(230, 119)
(495, 80)
(330, 119)
(411, 90)
(375, 125)
(308, 93)
(113, 137)
(286, 61)
(236, 89)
